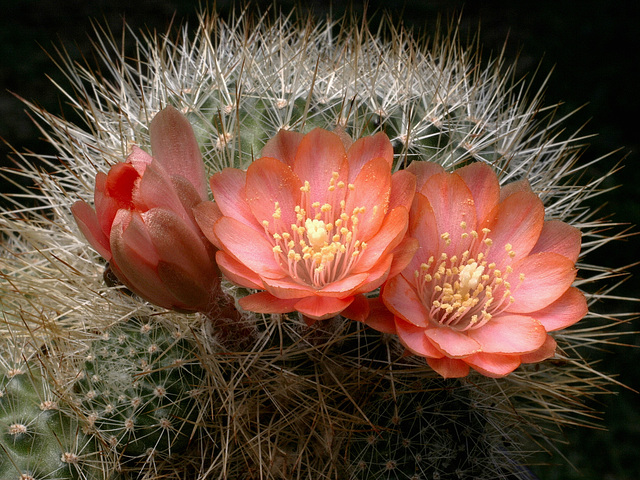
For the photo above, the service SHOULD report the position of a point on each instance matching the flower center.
(322, 246)
(466, 291)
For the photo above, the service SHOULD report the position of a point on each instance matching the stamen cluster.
(322, 246)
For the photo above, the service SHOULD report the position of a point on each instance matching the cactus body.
(39, 441)
(136, 390)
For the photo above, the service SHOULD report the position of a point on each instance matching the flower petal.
(559, 237)
(139, 159)
(106, 207)
(345, 286)
(186, 194)
(377, 275)
(270, 181)
(206, 215)
(389, 236)
(283, 146)
(547, 350)
(178, 244)
(452, 343)
(132, 258)
(257, 255)
(88, 224)
(135, 235)
(546, 277)
(319, 308)
(319, 154)
(414, 339)
(516, 221)
(287, 288)
(120, 184)
(402, 255)
(484, 186)
(564, 312)
(264, 302)
(175, 147)
(365, 149)
(423, 171)
(155, 190)
(237, 272)
(192, 294)
(514, 187)
(379, 317)
(403, 189)
(228, 187)
(401, 298)
(493, 364)
(360, 309)
(371, 190)
(449, 367)
(454, 211)
(509, 334)
(422, 227)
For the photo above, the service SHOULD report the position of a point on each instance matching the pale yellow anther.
(351, 186)
(277, 249)
(463, 225)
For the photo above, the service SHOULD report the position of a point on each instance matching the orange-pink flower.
(491, 277)
(314, 223)
(143, 223)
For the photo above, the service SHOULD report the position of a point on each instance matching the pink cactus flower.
(491, 277)
(143, 223)
(314, 223)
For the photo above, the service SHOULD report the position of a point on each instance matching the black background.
(593, 47)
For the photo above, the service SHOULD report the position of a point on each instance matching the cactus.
(427, 430)
(333, 401)
(137, 389)
(39, 440)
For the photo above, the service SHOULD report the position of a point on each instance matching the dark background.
(593, 47)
